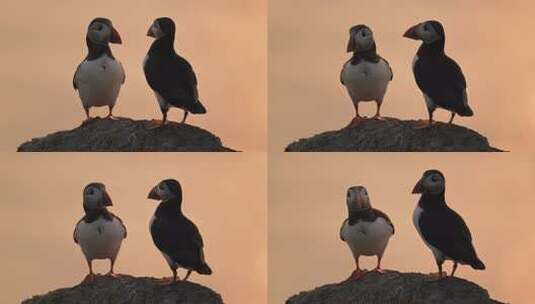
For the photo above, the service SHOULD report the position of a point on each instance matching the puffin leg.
(440, 274)
(90, 277)
(87, 117)
(453, 269)
(110, 113)
(159, 123)
(426, 124)
(451, 118)
(356, 121)
(378, 113)
(187, 275)
(378, 268)
(357, 273)
(111, 273)
(185, 116)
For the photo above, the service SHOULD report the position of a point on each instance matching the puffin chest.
(101, 238)
(366, 80)
(367, 238)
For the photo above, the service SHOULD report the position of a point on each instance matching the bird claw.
(89, 278)
(423, 124)
(156, 123)
(379, 270)
(437, 276)
(357, 274)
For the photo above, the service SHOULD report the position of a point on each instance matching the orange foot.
(357, 274)
(89, 278)
(423, 124)
(156, 123)
(378, 117)
(379, 270)
(355, 122)
(437, 276)
(113, 275)
(167, 281)
(110, 116)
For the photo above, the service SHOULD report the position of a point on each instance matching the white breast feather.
(367, 238)
(99, 81)
(366, 81)
(100, 239)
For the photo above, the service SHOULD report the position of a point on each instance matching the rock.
(396, 287)
(127, 135)
(128, 289)
(394, 135)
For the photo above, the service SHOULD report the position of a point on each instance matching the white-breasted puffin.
(177, 238)
(366, 230)
(439, 77)
(366, 74)
(442, 229)
(98, 78)
(99, 233)
(169, 75)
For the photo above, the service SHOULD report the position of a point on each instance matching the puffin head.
(432, 182)
(101, 31)
(163, 26)
(96, 197)
(166, 190)
(428, 31)
(357, 198)
(360, 39)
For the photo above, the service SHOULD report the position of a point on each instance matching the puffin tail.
(197, 108)
(477, 264)
(465, 111)
(204, 269)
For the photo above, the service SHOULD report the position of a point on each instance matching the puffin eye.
(90, 192)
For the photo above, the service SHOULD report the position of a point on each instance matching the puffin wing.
(448, 233)
(174, 79)
(122, 71)
(441, 78)
(389, 67)
(75, 232)
(342, 229)
(179, 239)
(75, 77)
(380, 213)
(121, 222)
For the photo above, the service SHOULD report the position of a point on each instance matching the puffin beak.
(115, 37)
(154, 194)
(150, 33)
(351, 44)
(107, 199)
(411, 33)
(419, 188)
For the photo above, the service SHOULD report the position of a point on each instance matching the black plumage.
(170, 75)
(438, 76)
(440, 226)
(175, 235)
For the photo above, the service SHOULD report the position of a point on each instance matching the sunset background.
(43, 43)
(307, 205)
(42, 201)
(491, 40)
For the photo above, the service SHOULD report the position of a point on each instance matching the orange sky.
(491, 41)
(43, 44)
(307, 206)
(42, 201)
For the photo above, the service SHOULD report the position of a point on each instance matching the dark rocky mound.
(127, 289)
(395, 287)
(127, 135)
(394, 135)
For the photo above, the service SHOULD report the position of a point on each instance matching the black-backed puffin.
(98, 78)
(439, 77)
(99, 233)
(442, 229)
(170, 76)
(177, 238)
(366, 230)
(366, 74)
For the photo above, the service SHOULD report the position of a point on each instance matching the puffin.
(439, 77)
(366, 230)
(177, 237)
(169, 75)
(442, 229)
(366, 74)
(99, 233)
(99, 77)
